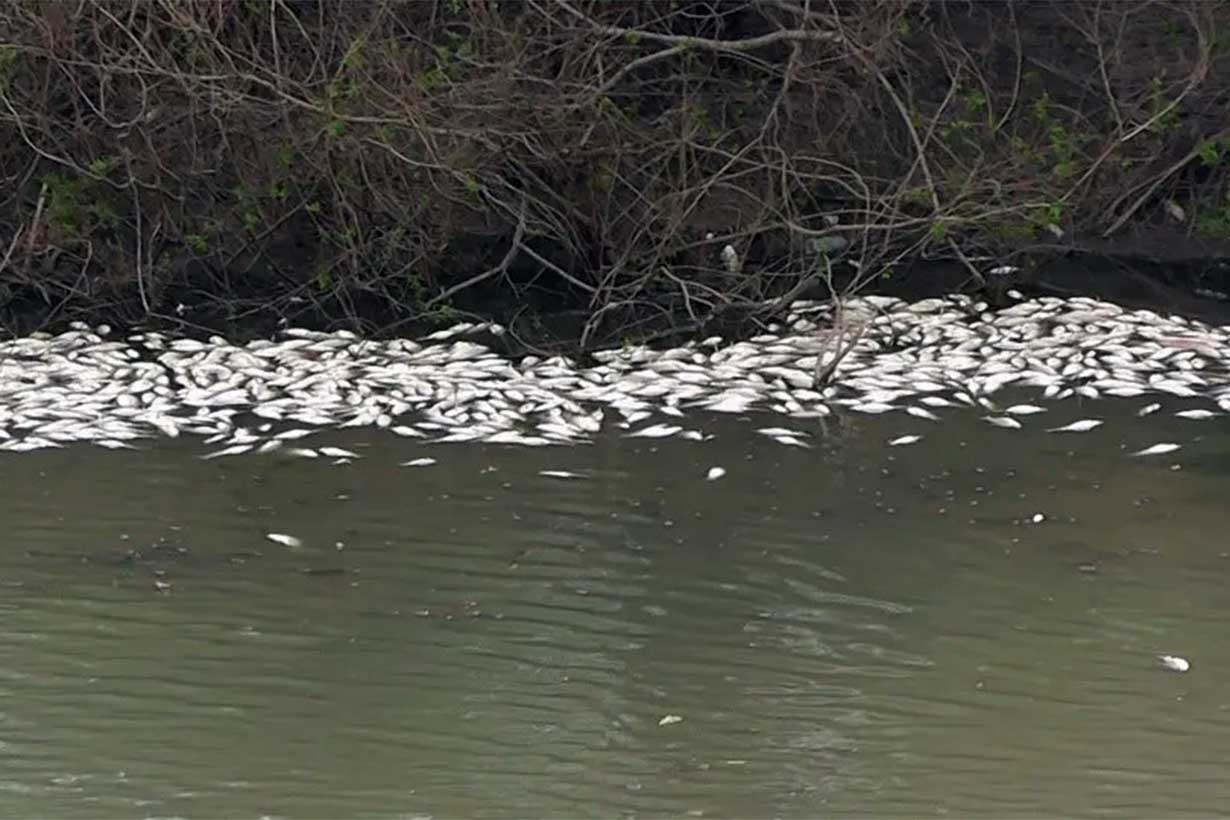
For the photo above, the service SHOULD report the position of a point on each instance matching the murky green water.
(851, 629)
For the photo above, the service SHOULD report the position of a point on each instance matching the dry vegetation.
(373, 163)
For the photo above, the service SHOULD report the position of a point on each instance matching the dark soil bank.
(588, 172)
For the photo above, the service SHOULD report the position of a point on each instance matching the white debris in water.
(715, 473)
(284, 539)
(1037, 518)
(670, 720)
(1175, 663)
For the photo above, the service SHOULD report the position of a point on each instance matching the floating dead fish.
(337, 452)
(670, 720)
(234, 450)
(903, 440)
(1079, 426)
(655, 431)
(1006, 422)
(715, 473)
(1158, 449)
(1149, 408)
(922, 413)
(284, 539)
(1199, 415)
(780, 431)
(419, 462)
(559, 474)
(1175, 663)
(1024, 410)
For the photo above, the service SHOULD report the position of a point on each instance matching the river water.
(850, 629)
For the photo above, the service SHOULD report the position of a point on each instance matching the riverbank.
(588, 176)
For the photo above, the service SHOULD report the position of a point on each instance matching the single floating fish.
(656, 431)
(337, 452)
(902, 440)
(234, 450)
(922, 413)
(1158, 449)
(418, 462)
(1149, 408)
(780, 431)
(559, 474)
(1024, 409)
(1003, 421)
(715, 473)
(1199, 415)
(1079, 426)
(1175, 663)
(670, 720)
(283, 539)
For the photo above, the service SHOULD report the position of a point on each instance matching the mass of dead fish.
(921, 360)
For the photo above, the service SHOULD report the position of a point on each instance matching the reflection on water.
(851, 629)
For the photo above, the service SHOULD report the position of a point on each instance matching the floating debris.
(1037, 518)
(670, 720)
(284, 539)
(1175, 663)
(1158, 449)
(715, 473)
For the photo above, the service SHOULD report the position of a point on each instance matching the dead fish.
(655, 431)
(873, 407)
(1079, 426)
(779, 431)
(284, 539)
(1175, 663)
(233, 450)
(1024, 409)
(337, 452)
(419, 462)
(1198, 415)
(1158, 449)
(1149, 408)
(901, 440)
(1006, 422)
(922, 413)
(715, 473)
(559, 474)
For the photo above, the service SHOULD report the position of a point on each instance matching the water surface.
(850, 629)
